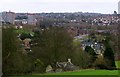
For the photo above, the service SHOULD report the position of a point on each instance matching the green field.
(89, 72)
(81, 72)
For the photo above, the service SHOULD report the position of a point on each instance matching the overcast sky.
(38, 6)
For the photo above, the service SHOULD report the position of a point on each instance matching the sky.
(39, 6)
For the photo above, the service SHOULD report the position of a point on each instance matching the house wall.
(8, 17)
(119, 7)
(31, 19)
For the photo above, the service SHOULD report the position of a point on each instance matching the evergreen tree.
(109, 54)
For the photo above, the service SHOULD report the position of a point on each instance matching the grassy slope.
(89, 72)
(83, 72)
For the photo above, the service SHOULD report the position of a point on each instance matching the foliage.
(79, 57)
(117, 64)
(53, 45)
(38, 66)
(108, 53)
(45, 23)
(91, 51)
(100, 63)
(13, 61)
(24, 36)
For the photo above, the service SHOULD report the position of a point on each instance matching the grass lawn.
(89, 72)
(81, 72)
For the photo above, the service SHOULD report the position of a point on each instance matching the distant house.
(119, 7)
(98, 47)
(21, 22)
(32, 19)
(1, 19)
(8, 17)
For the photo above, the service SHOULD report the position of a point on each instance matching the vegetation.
(0, 51)
(83, 72)
(25, 35)
(80, 73)
(117, 64)
(49, 46)
(13, 60)
(53, 45)
(92, 53)
(109, 54)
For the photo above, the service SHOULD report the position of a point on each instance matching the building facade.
(119, 7)
(8, 17)
(32, 19)
(0, 19)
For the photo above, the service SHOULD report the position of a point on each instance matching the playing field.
(81, 72)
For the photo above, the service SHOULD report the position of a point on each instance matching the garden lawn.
(81, 72)
(89, 72)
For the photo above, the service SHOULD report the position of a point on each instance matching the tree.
(53, 45)
(13, 61)
(100, 63)
(92, 53)
(46, 22)
(79, 57)
(117, 41)
(109, 54)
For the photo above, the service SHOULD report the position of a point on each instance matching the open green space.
(89, 72)
(81, 72)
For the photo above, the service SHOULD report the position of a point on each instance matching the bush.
(39, 66)
(24, 36)
(100, 63)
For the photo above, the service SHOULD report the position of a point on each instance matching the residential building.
(0, 19)
(8, 17)
(119, 7)
(32, 19)
(20, 22)
(98, 47)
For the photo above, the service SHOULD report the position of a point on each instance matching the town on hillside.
(66, 43)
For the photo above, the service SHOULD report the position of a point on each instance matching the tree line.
(52, 45)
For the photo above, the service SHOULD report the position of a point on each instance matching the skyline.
(37, 6)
